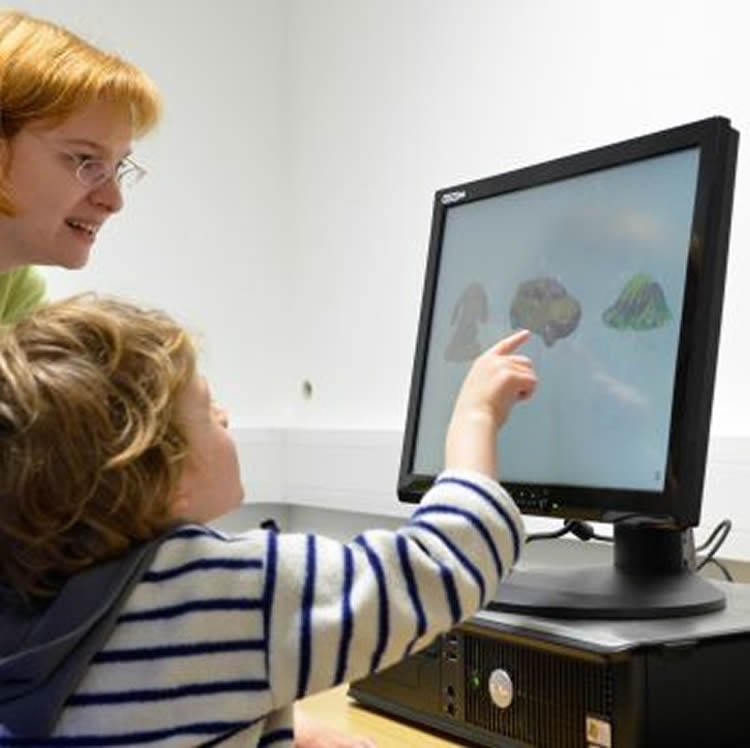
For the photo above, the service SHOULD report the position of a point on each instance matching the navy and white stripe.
(223, 633)
(499, 508)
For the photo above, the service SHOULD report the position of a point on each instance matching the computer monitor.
(615, 259)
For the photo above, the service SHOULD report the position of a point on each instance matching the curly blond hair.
(48, 73)
(90, 444)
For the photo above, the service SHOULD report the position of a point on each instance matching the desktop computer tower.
(511, 681)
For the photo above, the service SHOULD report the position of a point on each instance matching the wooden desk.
(336, 709)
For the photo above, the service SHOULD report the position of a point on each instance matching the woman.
(69, 113)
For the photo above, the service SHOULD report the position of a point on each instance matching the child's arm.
(496, 381)
(235, 629)
(342, 611)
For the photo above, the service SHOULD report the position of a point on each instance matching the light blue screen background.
(602, 410)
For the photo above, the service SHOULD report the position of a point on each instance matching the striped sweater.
(223, 633)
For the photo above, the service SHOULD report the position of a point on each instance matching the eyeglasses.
(94, 172)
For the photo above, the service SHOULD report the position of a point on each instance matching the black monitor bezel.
(679, 503)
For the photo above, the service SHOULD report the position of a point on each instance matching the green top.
(21, 290)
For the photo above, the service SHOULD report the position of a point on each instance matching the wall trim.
(355, 470)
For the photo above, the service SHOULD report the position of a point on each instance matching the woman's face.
(57, 217)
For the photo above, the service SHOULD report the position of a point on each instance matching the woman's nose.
(108, 195)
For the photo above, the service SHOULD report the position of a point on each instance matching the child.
(125, 620)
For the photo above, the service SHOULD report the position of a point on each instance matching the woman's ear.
(5, 153)
(4, 161)
(7, 208)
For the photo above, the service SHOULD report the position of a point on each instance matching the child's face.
(210, 484)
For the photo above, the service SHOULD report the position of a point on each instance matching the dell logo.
(453, 197)
(501, 688)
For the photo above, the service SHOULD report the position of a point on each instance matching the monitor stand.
(652, 577)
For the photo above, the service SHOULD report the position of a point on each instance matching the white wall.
(201, 234)
(287, 214)
(390, 100)
(354, 472)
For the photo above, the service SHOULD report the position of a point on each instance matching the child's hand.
(496, 381)
(309, 733)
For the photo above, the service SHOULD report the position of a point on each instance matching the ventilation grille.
(553, 694)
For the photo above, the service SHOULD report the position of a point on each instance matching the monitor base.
(606, 592)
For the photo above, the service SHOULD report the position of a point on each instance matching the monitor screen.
(615, 260)
(594, 266)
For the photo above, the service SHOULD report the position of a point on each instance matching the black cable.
(725, 525)
(585, 531)
(717, 538)
(724, 570)
(582, 530)
(564, 530)
(605, 538)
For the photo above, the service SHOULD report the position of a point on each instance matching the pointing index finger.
(509, 344)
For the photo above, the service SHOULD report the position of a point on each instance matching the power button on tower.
(501, 688)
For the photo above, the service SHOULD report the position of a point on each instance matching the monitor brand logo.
(453, 197)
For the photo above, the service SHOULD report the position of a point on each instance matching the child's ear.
(180, 505)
